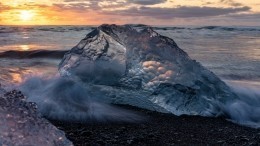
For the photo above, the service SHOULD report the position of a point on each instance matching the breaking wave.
(245, 76)
(246, 109)
(69, 100)
(228, 28)
(15, 29)
(214, 28)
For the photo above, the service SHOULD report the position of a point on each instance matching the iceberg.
(137, 66)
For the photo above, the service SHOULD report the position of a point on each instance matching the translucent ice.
(138, 66)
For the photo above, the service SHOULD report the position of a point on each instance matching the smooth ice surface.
(21, 125)
(138, 66)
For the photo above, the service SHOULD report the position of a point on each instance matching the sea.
(231, 52)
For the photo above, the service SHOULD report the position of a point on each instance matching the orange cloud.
(95, 12)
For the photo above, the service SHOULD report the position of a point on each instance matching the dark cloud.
(144, 11)
(179, 12)
(99, 4)
(140, 2)
(89, 5)
(146, 2)
(151, 12)
(78, 7)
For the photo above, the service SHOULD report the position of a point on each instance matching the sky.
(151, 12)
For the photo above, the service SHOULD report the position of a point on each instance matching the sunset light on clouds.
(153, 12)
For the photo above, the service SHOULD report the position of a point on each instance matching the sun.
(24, 47)
(26, 15)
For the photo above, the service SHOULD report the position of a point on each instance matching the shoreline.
(160, 129)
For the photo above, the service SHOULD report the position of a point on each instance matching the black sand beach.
(157, 129)
(161, 129)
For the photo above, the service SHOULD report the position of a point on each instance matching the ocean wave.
(252, 77)
(246, 109)
(15, 29)
(170, 28)
(56, 54)
(228, 28)
(215, 28)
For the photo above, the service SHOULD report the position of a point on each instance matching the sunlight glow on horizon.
(24, 47)
(26, 15)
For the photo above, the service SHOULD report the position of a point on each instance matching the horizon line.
(92, 25)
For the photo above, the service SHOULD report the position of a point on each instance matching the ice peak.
(117, 31)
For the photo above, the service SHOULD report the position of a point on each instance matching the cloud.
(75, 0)
(179, 12)
(231, 3)
(96, 5)
(146, 2)
(85, 5)
(4, 7)
(133, 11)
(112, 2)
(76, 7)
(22, 6)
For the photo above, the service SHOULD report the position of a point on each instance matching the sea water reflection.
(15, 71)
